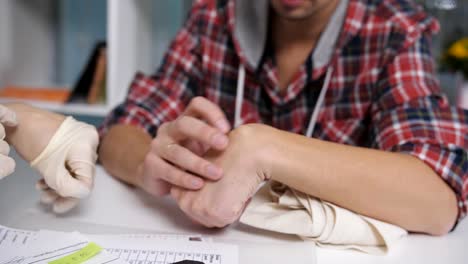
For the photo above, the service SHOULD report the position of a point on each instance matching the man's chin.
(294, 15)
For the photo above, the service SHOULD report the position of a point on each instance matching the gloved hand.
(67, 165)
(7, 164)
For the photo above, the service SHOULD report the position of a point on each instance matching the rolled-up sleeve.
(153, 100)
(411, 116)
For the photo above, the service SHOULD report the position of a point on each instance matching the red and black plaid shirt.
(383, 92)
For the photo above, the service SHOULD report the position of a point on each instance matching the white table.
(115, 208)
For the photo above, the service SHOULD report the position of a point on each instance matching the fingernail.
(223, 125)
(213, 172)
(197, 183)
(219, 140)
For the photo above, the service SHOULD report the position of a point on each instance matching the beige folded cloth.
(279, 208)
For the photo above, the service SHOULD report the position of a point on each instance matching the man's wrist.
(260, 143)
(274, 156)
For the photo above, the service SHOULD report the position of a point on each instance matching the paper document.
(15, 237)
(44, 246)
(156, 251)
(13, 240)
(159, 237)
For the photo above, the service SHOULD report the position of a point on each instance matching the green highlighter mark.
(80, 256)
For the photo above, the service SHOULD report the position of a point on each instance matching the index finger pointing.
(186, 127)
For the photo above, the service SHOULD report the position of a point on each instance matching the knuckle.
(175, 176)
(180, 123)
(171, 152)
(197, 102)
(204, 132)
(207, 131)
(162, 129)
(161, 149)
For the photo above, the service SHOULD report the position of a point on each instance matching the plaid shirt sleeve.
(412, 116)
(153, 100)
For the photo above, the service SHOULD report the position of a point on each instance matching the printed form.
(154, 251)
(42, 247)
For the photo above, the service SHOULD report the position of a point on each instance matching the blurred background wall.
(45, 45)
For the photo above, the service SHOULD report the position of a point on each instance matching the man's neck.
(294, 40)
(286, 32)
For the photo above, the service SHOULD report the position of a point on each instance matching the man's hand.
(175, 154)
(67, 165)
(7, 164)
(245, 165)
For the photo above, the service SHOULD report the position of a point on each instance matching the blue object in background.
(167, 18)
(81, 24)
(92, 120)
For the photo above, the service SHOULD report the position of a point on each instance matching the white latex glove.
(67, 165)
(7, 164)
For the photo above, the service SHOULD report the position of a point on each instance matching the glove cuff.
(67, 128)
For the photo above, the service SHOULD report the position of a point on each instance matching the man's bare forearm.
(123, 150)
(392, 187)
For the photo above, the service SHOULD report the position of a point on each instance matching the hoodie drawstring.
(239, 96)
(319, 103)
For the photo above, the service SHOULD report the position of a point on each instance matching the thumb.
(81, 160)
(79, 176)
(7, 116)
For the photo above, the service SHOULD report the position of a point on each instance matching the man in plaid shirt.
(334, 98)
